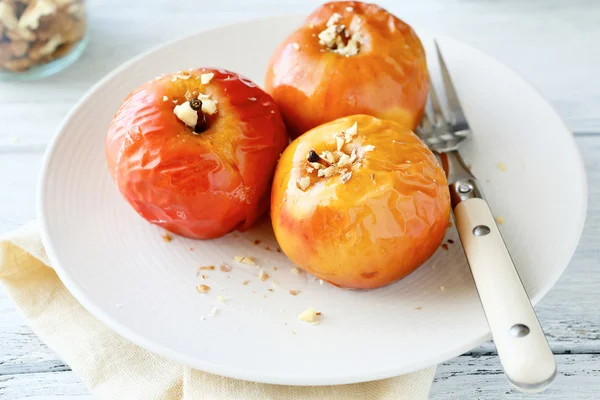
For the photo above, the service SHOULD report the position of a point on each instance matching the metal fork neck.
(462, 184)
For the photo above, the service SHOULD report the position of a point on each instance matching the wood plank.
(43, 386)
(482, 378)
(465, 377)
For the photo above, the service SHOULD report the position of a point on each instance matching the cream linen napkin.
(114, 368)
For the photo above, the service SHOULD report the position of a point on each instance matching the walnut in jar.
(36, 32)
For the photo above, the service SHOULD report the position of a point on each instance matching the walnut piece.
(186, 114)
(309, 315)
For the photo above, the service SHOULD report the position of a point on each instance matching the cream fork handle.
(522, 347)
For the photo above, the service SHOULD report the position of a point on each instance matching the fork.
(522, 347)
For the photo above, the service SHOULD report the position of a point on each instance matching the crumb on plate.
(309, 315)
(202, 288)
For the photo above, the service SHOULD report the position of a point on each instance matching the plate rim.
(98, 312)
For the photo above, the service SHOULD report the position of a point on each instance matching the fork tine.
(436, 108)
(457, 117)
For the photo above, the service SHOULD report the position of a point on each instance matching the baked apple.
(349, 58)
(194, 152)
(359, 202)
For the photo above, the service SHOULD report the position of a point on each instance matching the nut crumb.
(222, 299)
(245, 283)
(225, 267)
(245, 260)
(256, 242)
(501, 166)
(304, 182)
(320, 281)
(269, 249)
(309, 315)
(445, 246)
(450, 241)
(207, 268)
(202, 288)
(294, 292)
(275, 284)
(442, 288)
(270, 290)
(418, 308)
(295, 271)
(167, 237)
(278, 250)
(213, 312)
(206, 78)
(263, 275)
(499, 220)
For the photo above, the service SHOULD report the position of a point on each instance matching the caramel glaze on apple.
(196, 184)
(376, 227)
(387, 78)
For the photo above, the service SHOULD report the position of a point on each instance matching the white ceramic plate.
(120, 269)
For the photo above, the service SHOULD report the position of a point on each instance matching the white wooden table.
(553, 43)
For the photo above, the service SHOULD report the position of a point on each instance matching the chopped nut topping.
(209, 106)
(167, 238)
(186, 114)
(225, 267)
(444, 246)
(304, 182)
(275, 284)
(213, 312)
(206, 78)
(263, 275)
(327, 172)
(207, 268)
(245, 283)
(309, 315)
(296, 46)
(183, 76)
(499, 220)
(245, 260)
(501, 166)
(329, 163)
(346, 176)
(256, 242)
(222, 299)
(295, 271)
(442, 288)
(334, 19)
(294, 292)
(337, 38)
(202, 288)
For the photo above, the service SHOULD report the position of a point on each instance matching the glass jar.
(40, 37)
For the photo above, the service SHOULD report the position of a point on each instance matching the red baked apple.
(194, 152)
(349, 58)
(359, 202)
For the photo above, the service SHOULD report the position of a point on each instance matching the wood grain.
(552, 43)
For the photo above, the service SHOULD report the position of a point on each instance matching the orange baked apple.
(349, 58)
(359, 202)
(195, 151)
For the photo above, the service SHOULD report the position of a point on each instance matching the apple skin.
(196, 185)
(387, 78)
(373, 229)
